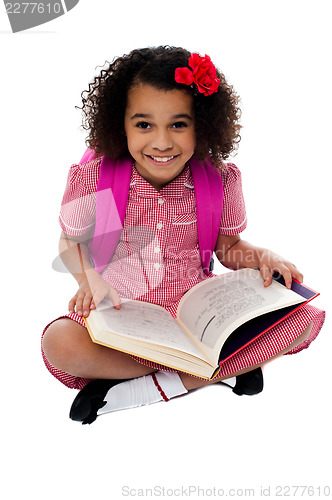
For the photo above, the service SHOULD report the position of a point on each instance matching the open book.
(215, 319)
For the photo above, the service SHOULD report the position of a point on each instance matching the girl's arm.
(92, 288)
(235, 253)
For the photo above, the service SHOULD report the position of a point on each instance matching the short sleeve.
(233, 218)
(78, 208)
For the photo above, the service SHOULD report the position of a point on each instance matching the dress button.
(159, 225)
(156, 250)
(156, 265)
(160, 201)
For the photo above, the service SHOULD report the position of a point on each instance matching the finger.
(266, 274)
(285, 271)
(99, 295)
(296, 274)
(72, 304)
(86, 304)
(91, 308)
(79, 303)
(108, 292)
(287, 275)
(115, 298)
(299, 277)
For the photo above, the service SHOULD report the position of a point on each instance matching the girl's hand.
(269, 263)
(92, 290)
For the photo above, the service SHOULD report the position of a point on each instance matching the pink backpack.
(111, 202)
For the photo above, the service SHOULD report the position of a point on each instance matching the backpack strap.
(209, 202)
(111, 202)
(89, 155)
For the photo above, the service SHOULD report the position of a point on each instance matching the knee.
(59, 344)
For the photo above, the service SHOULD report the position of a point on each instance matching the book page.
(142, 321)
(215, 307)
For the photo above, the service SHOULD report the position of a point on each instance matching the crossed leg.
(120, 381)
(68, 347)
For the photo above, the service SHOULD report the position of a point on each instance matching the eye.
(179, 125)
(143, 125)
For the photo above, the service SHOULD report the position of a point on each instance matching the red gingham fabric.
(268, 345)
(157, 259)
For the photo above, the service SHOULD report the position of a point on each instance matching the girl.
(162, 109)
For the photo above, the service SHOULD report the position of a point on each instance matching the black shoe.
(249, 383)
(90, 399)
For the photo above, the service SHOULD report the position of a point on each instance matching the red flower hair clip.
(202, 73)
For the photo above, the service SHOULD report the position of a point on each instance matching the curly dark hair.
(216, 116)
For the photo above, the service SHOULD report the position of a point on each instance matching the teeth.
(163, 159)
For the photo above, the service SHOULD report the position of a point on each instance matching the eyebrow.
(174, 117)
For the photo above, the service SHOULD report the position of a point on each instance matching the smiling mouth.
(162, 159)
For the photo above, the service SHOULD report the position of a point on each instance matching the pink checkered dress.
(157, 258)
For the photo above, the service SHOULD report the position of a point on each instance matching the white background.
(277, 55)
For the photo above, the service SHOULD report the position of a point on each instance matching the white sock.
(143, 391)
(230, 381)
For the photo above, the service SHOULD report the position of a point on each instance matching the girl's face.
(160, 132)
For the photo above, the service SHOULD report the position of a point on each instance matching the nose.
(162, 140)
